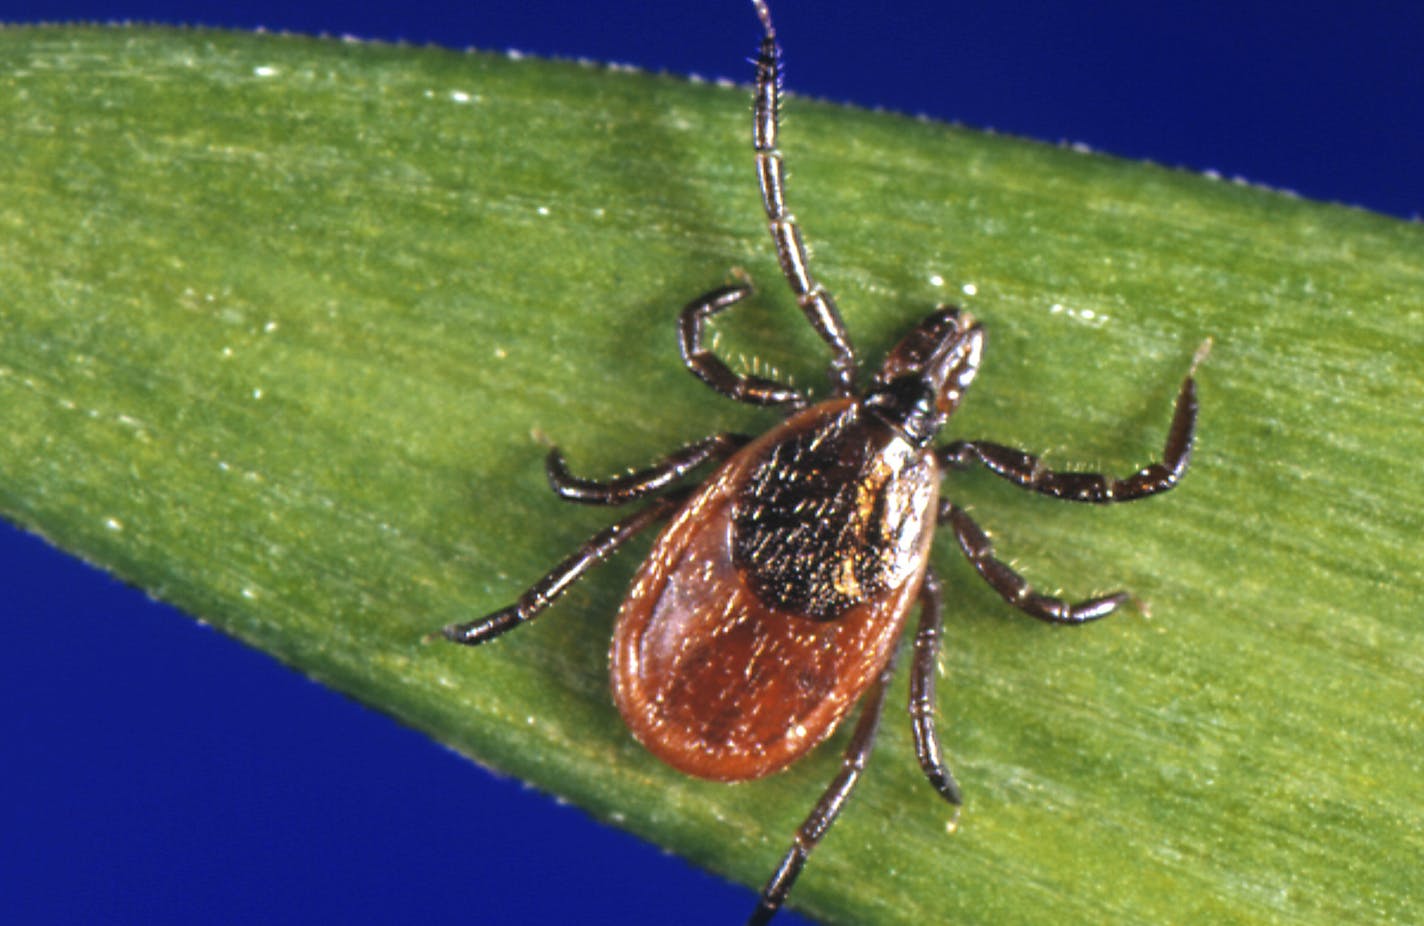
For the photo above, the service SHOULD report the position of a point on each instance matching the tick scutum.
(825, 517)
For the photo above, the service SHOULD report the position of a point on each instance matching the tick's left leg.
(830, 804)
(698, 357)
(813, 298)
(623, 489)
(1028, 471)
(539, 596)
(1012, 586)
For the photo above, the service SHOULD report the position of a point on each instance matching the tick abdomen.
(701, 655)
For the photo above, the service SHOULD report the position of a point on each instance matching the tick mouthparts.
(956, 363)
(943, 351)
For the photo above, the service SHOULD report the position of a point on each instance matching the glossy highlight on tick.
(774, 599)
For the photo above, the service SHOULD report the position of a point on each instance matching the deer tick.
(774, 598)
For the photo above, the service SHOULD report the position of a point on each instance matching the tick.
(773, 600)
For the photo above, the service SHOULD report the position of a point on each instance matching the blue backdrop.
(219, 787)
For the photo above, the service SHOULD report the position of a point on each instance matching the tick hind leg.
(1012, 586)
(1026, 470)
(660, 475)
(830, 804)
(922, 692)
(548, 589)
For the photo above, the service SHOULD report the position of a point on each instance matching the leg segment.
(706, 366)
(830, 804)
(548, 589)
(922, 692)
(637, 485)
(1028, 471)
(817, 304)
(1012, 586)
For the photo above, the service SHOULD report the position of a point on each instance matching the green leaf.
(285, 325)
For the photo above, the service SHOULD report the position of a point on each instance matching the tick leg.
(922, 692)
(817, 304)
(644, 482)
(548, 589)
(1012, 586)
(706, 366)
(1028, 471)
(830, 804)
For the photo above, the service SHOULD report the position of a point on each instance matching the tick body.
(776, 595)
(774, 599)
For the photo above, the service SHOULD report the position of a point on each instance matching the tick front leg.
(830, 804)
(1028, 471)
(644, 482)
(813, 298)
(548, 589)
(922, 692)
(1012, 586)
(708, 367)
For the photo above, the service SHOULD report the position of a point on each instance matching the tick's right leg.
(633, 486)
(922, 692)
(1012, 586)
(1026, 470)
(830, 804)
(548, 589)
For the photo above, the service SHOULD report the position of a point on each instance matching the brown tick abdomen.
(765, 610)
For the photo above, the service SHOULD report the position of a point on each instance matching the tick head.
(924, 377)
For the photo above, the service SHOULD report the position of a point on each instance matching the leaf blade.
(276, 348)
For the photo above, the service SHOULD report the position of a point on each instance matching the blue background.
(219, 787)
